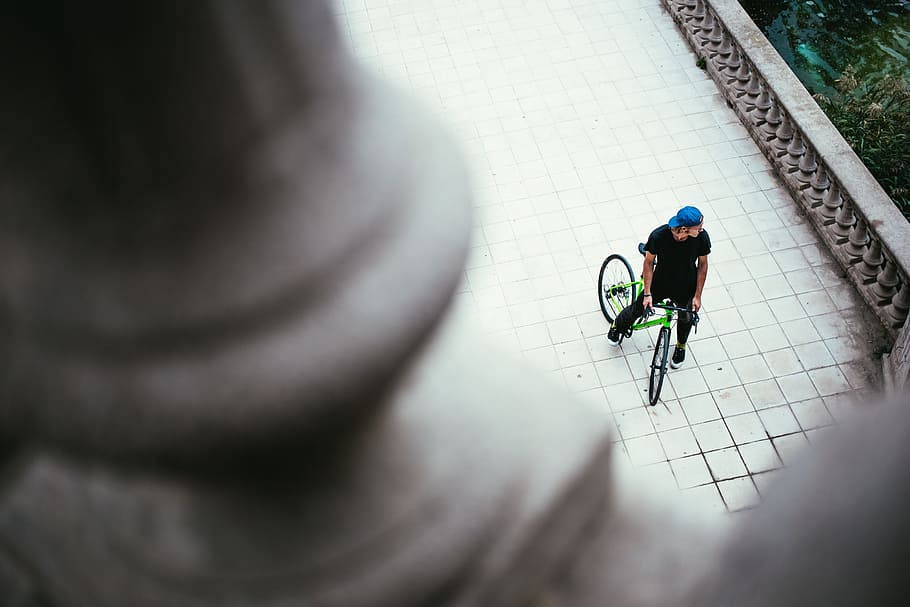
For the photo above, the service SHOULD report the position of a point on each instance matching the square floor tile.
(814, 355)
(489, 298)
(800, 331)
(757, 315)
(844, 349)
(779, 421)
(797, 387)
(817, 302)
(779, 239)
(706, 351)
(613, 371)
(720, 375)
(700, 408)
(725, 464)
(593, 324)
(544, 359)
(633, 423)
(564, 330)
(658, 474)
(668, 415)
(804, 280)
(739, 493)
(599, 350)
(765, 394)
(512, 271)
(620, 454)
(596, 399)
(712, 435)
(482, 277)
(790, 259)
(706, 498)
(520, 292)
(691, 471)
(773, 288)
(524, 314)
(739, 344)
(687, 382)
(745, 292)
(783, 362)
(786, 309)
(829, 325)
(842, 406)
(812, 414)
(766, 481)
(727, 321)
(645, 450)
(750, 246)
(573, 353)
(679, 443)
(581, 377)
(733, 401)
(745, 428)
(790, 447)
(716, 298)
(553, 308)
(829, 380)
(769, 338)
(752, 369)
(760, 456)
(533, 336)
(819, 435)
(623, 397)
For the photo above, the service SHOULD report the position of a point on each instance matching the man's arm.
(700, 276)
(647, 273)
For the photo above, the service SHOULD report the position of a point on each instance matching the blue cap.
(686, 217)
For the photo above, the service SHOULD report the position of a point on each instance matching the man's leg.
(683, 327)
(624, 319)
(684, 324)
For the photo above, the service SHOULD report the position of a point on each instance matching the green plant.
(701, 63)
(874, 118)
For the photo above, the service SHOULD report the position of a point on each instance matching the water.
(819, 38)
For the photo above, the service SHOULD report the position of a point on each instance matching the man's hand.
(696, 303)
(647, 302)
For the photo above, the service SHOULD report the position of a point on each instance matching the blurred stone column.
(229, 375)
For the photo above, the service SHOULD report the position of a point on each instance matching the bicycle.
(617, 288)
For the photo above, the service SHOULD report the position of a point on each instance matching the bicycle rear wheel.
(615, 286)
(658, 365)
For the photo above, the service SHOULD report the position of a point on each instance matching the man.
(680, 250)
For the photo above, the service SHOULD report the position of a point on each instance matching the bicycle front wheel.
(615, 286)
(658, 365)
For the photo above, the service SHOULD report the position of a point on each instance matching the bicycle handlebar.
(650, 310)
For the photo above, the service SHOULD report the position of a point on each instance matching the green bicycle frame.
(665, 319)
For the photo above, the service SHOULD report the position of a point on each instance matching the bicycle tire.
(658, 365)
(615, 270)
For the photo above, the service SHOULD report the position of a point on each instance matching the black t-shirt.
(675, 273)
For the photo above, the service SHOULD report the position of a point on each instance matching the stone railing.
(851, 212)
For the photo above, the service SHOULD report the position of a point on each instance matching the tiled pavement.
(586, 124)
